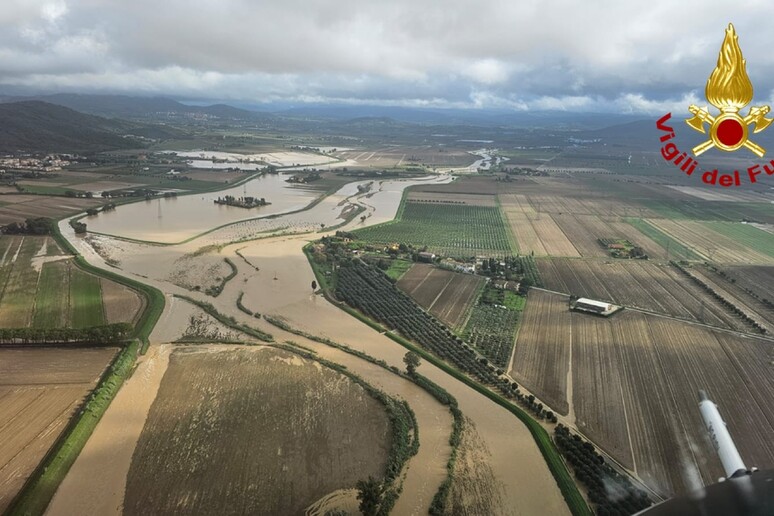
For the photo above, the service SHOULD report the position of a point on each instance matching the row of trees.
(32, 226)
(612, 492)
(741, 314)
(106, 334)
(108, 207)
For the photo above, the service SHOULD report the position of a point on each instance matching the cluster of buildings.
(49, 163)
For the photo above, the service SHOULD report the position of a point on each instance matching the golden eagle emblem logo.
(729, 89)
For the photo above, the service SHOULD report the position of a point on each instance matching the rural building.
(426, 257)
(584, 304)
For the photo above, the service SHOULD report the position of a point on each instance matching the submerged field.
(262, 426)
(39, 392)
(41, 287)
(634, 384)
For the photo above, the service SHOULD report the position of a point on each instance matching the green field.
(18, 290)
(676, 249)
(398, 268)
(51, 305)
(458, 231)
(53, 294)
(745, 234)
(85, 300)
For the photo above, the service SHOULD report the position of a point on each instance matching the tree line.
(105, 334)
(31, 226)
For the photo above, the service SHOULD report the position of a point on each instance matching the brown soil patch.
(39, 391)
(121, 303)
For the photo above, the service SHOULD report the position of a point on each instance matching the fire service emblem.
(729, 90)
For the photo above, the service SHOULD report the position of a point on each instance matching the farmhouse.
(583, 304)
(426, 257)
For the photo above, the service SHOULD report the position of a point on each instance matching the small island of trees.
(242, 202)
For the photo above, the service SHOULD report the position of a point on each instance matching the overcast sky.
(591, 55)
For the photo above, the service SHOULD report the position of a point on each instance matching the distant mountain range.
(450, 117)
(123, 106)
(77, 123)
(40, 126)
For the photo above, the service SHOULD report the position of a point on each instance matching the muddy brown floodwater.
(517, 468)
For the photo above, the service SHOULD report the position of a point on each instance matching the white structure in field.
(592, 306)
(583, 303)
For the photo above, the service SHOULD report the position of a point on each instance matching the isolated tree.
(314, 285)
(412, 361)
(369, 492)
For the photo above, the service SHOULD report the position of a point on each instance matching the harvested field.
(755, 279)
(751, 305)
(41, 287)
(464, 185)
(748, 235)
(715, 245)
(542, 353)
(715, 194)
(641, 284)
(21, 207)
(535, 232)
(450, 198)
(260, 425)
(39, 391)
(586, 230)
(569, 203)
(635, 379)
(445, 294)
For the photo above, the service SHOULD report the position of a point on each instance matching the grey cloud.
(606, 54)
